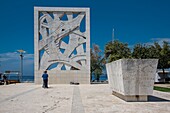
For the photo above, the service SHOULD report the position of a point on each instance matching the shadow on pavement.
(156, 99)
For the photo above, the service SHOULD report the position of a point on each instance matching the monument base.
(131, 98)
(63, 77)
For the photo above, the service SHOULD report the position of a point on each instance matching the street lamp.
(21, 63)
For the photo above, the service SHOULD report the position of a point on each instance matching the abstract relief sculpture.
(62, 44)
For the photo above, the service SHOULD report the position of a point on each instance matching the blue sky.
(134, 21)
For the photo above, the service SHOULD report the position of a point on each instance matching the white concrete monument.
(62, 44)
(132, 79)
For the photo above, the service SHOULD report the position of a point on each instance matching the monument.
(132, 79)
(62, 44)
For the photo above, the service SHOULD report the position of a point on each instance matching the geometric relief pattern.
(62, 43)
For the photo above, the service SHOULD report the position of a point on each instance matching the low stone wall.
(63, 77)
(132, 79)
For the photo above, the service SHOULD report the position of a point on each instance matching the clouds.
(151, 42)
(8, 56)
(161, 40)
(11, 61)
(158, 40)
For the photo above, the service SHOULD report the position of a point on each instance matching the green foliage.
(164, 56)
(161, 89)
(97, 62)
(140, 51)
(116, 50)
(145, 51)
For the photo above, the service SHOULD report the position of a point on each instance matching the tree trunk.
(98, 78)
(90, 77)
(163, 74)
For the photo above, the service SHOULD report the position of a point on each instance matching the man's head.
(45, 71)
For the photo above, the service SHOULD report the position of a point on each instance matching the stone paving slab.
(38, 100)
(98, 98)
(77, 106)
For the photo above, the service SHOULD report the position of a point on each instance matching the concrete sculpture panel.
(132, 79)
(62, 44)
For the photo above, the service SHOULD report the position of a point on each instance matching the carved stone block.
(132, 79)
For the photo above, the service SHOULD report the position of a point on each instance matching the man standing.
(5, 79)
(45, 79)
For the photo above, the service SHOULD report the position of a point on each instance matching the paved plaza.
(98, 98)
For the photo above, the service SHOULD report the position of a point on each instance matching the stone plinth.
(64, 77)
(132, 79)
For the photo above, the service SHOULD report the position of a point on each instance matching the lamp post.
(113, 34)
(21, 63)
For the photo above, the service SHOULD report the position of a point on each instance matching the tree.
(154, 51)
(164, 58)
(146, 51)
(97, 62)
(116, 50)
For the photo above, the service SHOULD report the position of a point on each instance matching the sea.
(23, 79)
(102, 77)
